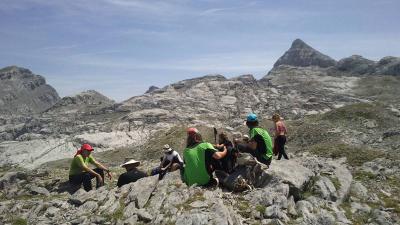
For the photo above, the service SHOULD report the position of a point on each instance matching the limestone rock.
(292, 173)
(356, 64)
(23, 92)
(300, 54)
(325, 188)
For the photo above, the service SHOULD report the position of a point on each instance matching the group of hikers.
(200, 158)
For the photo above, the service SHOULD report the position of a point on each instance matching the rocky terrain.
(344, 140)
(22, 92)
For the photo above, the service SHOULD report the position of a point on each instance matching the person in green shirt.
(197, 157)
(260, 143)
(81, 173)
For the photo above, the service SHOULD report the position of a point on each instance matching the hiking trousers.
(281, 141)
(246, 149)
(86, 179)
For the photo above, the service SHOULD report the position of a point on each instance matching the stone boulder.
(292, 173)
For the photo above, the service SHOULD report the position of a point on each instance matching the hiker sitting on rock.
(280, 137)
(132, 173)
(171, 161)
(197, 157)
(81, 173)
(260, 143)
(228, 162)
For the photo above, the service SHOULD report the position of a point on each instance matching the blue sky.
(121, 47)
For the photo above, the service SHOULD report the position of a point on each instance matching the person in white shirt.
(171, 161)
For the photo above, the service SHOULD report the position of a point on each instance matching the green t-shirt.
(195, 171)
(264, 148)
(78, 162)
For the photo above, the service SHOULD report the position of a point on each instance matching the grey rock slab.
(130, 210)
(292, 173)
(52, 211)
(274, 212)
(291, 209)
(35, 190)
(359, 208)
(359, 191)
(304, 208)
(131, 220)
(198, 204)
(345, 179)
(89, 206)
(144, 215)
(141, 190)
(325, 188)
(192, 219)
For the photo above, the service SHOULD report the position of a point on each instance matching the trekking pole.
(215, 135)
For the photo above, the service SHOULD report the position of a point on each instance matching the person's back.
(196, 160)
(132, 173)
(263, 151)
(130, 176)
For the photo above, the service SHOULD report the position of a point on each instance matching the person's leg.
(242, 147)
(279, 155)
(101, 172)
(87, 181)
(76, 180)
(283, 147)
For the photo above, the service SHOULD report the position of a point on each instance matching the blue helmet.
(252, 117)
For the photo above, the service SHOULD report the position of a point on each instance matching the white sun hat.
(166, 148)
(131, 162)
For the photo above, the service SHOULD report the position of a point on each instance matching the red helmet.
(192, 131)
(86, 147)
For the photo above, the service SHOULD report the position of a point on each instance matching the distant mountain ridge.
(22, 92)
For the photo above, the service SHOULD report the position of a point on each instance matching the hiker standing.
(81, 173)
(132, 173)
(170, 162)
(260, 143)
(197, 157)
(280, 136)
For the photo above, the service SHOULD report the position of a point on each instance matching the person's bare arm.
(101, 166)
(163, 161)
(169, 164)
(253, 144)
(87, 169)
(220, 155)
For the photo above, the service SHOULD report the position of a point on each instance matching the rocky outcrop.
(389, 66)
(151, 89)
(356, 64)
(22, 92)
(37, 197)
(84, 102)
(300, 54)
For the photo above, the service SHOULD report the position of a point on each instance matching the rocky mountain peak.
(14, 69)
(151, 89)
(22, 92)
(246, 79)
(356, 64)
(89, 97)
(298, 43)
(302, 55)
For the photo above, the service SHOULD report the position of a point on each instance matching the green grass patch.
(335, 182)
(364, 176)
(260, 208)
(19, 221)
(197, 196)
(356, 219)
(355, 156)
(243, 207)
